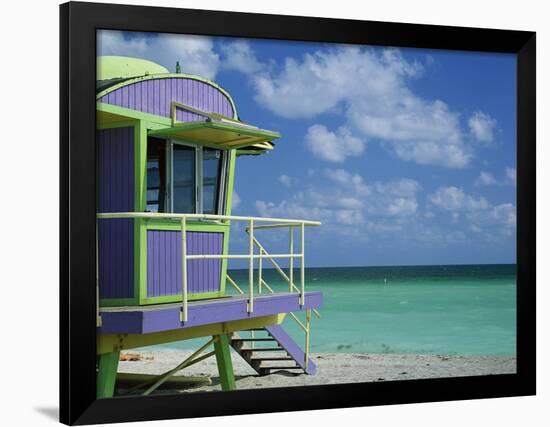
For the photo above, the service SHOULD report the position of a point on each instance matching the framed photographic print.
(297, 212)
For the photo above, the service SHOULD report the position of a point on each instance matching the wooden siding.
(154, 96)
(116, 194)
(164, 262)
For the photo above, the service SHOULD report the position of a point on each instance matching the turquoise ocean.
(453, 310)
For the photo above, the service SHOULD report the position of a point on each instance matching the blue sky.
(407, 156)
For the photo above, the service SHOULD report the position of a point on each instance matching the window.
(184, 178)
(211, 167)
(184, 185)
(156, 175)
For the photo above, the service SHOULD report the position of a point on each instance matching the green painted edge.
(228, 201)
(170, 76)
(116, 302)
(153, 121)
(177, 298)
(225, 364)
(123, 124)
(140, 186)
(171, 225)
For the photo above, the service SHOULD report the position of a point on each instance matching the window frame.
(199, 175)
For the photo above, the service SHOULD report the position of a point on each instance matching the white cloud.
(235, 200)
(455, 199)
(503, 215)
(511, 175)
(482, 127)
(479, 214)
(346, 204)
(402, 206)
(345, 178)
(372, 90)
(349, 217)
(239, 56)
(402, 187)
(333, 146)
(485, 179)
(285, 180)
(195, 54)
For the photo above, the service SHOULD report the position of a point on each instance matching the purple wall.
(154, 96)
(164, 262)
(116, 194)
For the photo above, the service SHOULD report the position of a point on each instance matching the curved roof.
(120, 67)
(114, 72)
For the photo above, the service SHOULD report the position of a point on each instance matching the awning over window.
(222, 134)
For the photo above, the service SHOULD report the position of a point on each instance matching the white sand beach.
(332, 368)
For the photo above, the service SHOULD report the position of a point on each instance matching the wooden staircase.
(278, 352)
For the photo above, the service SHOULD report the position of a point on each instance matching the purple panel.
(116, 169)
(116, 258)
(116, 194)
(164, 262)
(146, 320)
(155, 95)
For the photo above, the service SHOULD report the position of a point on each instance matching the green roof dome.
(122, 67)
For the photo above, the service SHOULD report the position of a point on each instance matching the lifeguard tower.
(167, 145)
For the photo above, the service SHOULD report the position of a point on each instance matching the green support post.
(225, 365)
(106, 374)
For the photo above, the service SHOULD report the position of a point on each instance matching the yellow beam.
(107, 343)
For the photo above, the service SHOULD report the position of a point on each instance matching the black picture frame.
(78, 25)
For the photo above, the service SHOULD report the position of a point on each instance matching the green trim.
(140, 200)
(228, 201)
(127, 114)
(106, 374)
(117, 302)
(109, 342)
(170, 76)
(114, 125)
(225, 364)
(177, 298)
(230, 181)
(172, 225)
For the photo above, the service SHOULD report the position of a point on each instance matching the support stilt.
(106, 375)
(225, 365)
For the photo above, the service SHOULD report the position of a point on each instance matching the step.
(282, 367)
(251, 339)
(270, 359)
(263, 349)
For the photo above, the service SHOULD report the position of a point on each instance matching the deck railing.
(251, 256)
